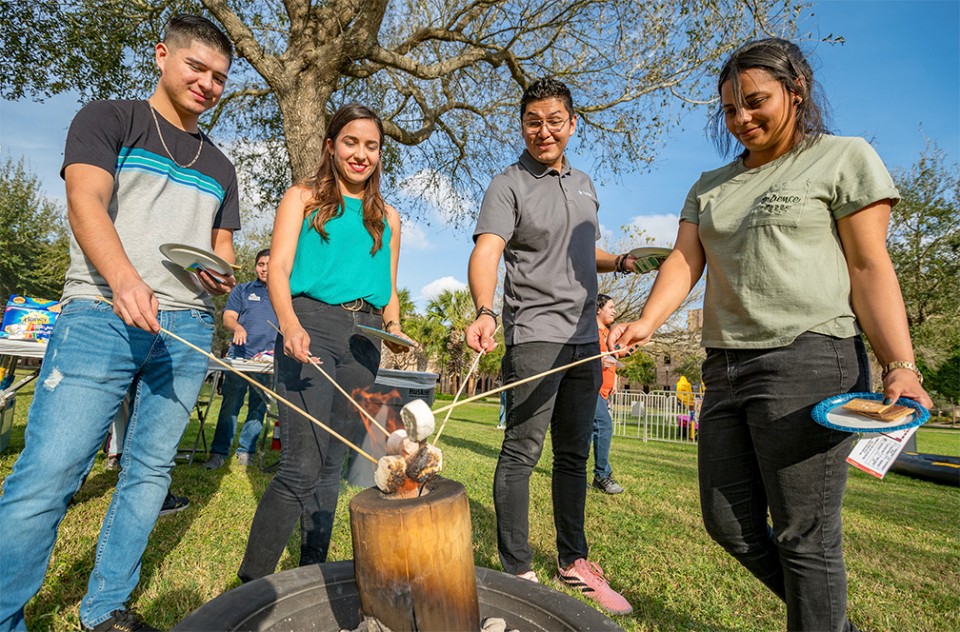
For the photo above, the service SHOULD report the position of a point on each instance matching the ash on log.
(413, 558)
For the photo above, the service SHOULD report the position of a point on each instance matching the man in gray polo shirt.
(541, 216)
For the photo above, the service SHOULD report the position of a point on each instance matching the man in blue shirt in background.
(247, 314)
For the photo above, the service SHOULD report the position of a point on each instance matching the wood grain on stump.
(413, 558)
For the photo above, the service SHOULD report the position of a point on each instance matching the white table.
(31, 349)
(12, 350)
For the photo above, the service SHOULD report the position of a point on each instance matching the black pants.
(760, 454)
(564, 402)
(311, 460)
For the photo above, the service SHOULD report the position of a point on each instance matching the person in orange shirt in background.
(602, 421)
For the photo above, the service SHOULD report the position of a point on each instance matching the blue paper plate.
(382, 335)
(830, 413)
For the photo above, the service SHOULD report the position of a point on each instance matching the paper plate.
(649, 258)
(383, 335)
(194, 259)
(831, 413)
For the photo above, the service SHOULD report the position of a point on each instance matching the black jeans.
(311, 460)
(564, 402)
(760, 451)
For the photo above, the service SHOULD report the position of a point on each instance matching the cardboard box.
(27, 318)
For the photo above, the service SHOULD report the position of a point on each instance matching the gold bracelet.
(902, 365)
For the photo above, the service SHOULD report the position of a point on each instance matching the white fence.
(655, 416)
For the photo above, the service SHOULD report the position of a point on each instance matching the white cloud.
(437, 192)
(661, 228)
(413, 236)
(607, 236)
(434, 288)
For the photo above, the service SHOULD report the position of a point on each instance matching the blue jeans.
(307, 484)
(564, 403)
(234, 388)
(91, 361)
(602, 436)
(761, 453)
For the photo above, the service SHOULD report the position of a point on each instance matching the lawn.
(902, 538)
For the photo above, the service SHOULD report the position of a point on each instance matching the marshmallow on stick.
(418, 420)
(406, 466)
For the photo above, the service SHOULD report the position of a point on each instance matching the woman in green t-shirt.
(793, 237)
(333, 266)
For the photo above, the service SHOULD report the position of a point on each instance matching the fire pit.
(414, 566)
(324, 597)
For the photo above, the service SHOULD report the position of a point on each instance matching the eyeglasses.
(533, 126)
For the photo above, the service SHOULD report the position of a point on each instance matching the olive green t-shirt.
(775, 265)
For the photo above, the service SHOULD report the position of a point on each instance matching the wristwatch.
(483, 310)
(902, 365)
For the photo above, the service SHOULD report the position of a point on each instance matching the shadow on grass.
(91, 503)
(488, 452)
(652, 612)
(491, 453)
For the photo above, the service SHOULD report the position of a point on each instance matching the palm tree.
(430, 334)
(454, 311)
(408, 308)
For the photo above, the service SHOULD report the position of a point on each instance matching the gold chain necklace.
(164, 143)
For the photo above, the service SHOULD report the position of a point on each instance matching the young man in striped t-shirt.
(138, 174)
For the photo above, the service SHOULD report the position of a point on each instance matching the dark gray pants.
(760, 451)
(311, 460)
(564, 402)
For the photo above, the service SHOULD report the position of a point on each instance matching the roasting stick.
(506, 387)
(473, 368)
(362, 410)
(263, 388)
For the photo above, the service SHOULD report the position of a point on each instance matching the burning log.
(413, 558)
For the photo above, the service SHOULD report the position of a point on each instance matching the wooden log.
(413, 559)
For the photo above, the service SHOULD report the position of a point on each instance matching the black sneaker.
(123, 621)
(173, 504)
(607, 485)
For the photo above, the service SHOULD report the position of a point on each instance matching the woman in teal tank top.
(333, 266)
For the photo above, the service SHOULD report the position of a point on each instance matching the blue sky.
(895, 81)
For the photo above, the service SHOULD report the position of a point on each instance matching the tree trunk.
(305, 119)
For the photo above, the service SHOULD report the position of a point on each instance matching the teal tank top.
(341, 269)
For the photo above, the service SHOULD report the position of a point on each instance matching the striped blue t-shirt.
(154, 200)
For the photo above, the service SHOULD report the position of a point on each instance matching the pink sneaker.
(530, 576)
(587, 577)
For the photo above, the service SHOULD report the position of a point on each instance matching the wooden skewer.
(317, 366)
(473, 368)
(362, 410)
(505, 387)
(266, 390)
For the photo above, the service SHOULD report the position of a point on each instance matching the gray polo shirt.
(548, 220)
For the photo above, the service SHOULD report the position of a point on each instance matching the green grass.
(902, 538)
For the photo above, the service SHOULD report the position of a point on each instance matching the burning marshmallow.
(418, 419)
(424, 463)
(391, 473)
(399, 444)
(402, 474)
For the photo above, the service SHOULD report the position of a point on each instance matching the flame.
(384, 406)
(409, 489)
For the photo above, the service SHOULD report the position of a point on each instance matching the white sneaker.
(243, 458)
(530, 576)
